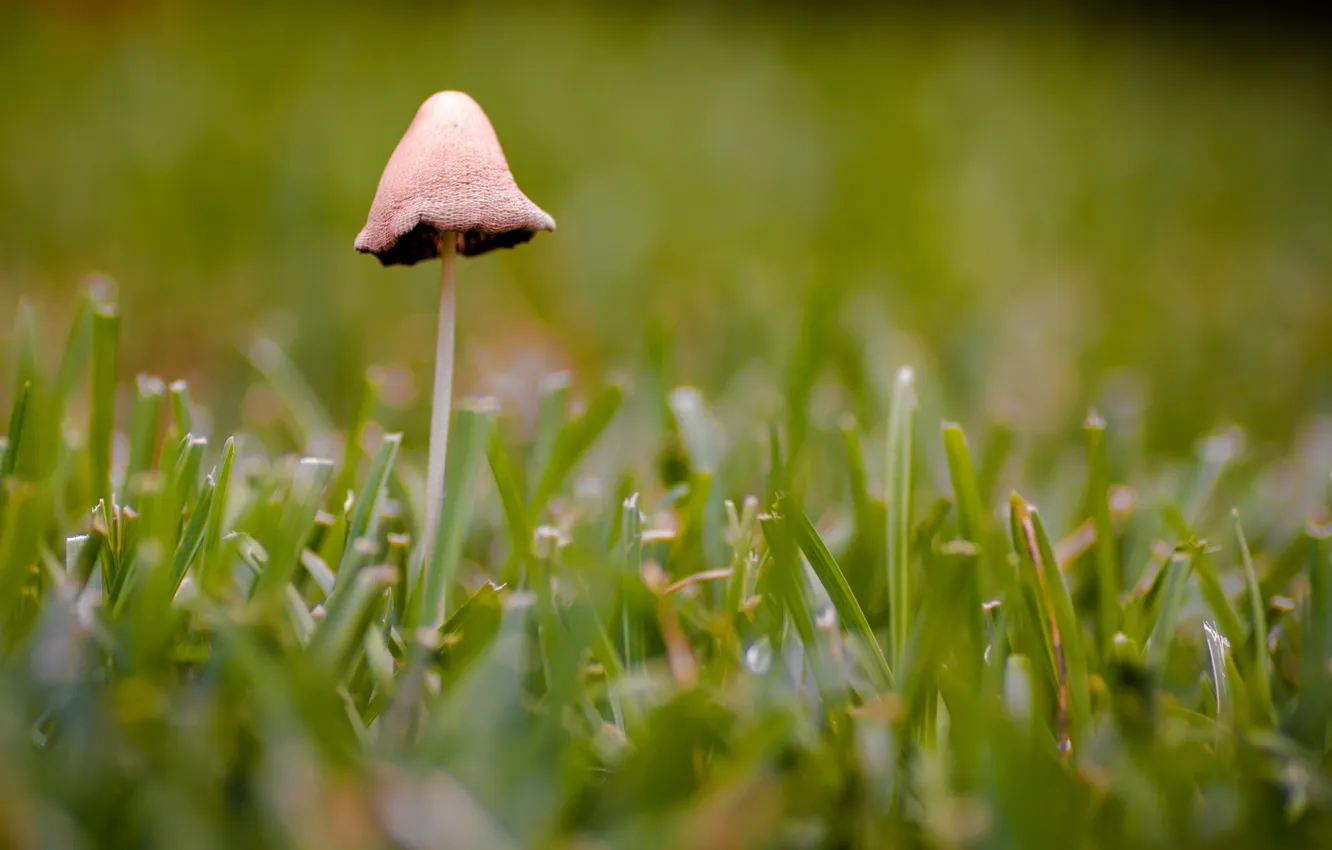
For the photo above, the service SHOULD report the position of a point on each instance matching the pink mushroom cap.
(448, 178)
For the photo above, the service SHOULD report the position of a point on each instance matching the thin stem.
(443, 398)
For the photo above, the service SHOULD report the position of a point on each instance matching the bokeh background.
(1041, 212)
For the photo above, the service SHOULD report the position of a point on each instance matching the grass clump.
(206, 643)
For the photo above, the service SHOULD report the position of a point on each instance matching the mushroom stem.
(442, 403)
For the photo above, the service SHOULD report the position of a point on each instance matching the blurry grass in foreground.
(205, 644)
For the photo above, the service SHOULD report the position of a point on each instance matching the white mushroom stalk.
(441, 405)
(446, 190)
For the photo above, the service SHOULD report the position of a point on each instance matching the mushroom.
(446, 191)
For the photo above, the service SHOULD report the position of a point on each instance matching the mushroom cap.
(448, 176)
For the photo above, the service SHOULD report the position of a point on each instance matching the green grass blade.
(776, 479)
(558, 656)
(29, 384)
(1024, 599)
(17, 549)
(835, 584)
(690, 551)
(330, 539)
(864, 556)
(573, 442)
(352, 449)
(380, 665)
(155, 497)
(145, 422)
(338, 638)
(191, 541)
(14, 436)
(633, 614)
(511, 499)
(787, 578)
(471, 437)
(1167, 612)
(180, 490)
(995, 455)
(102, 392)
(294, 527)
(362, 554)
(857, 474)
(1106, 557)
(742, 525)
(151, 573)
(1070, 632)
(130, 533)
(588, 630)
(467, 632)
(1310, 722)
(947, 633)
(1258, 672)
(73, 361)
(1140, 607)
(188, 467)
(787, 582)
(552, 415)
(108, 554)
(1209, 585)
(966, 492)
(365, 512)
(898, 483)
(182, 412)
(213, 572)
(971, 521)
(13, 441)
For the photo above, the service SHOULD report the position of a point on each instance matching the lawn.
(916, 434)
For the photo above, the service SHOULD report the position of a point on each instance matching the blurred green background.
(1040, 213)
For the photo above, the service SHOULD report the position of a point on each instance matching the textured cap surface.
(448, 176)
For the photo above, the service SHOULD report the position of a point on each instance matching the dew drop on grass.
(758, 656)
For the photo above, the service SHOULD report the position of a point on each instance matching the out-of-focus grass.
(776, 608)
(1039, 215)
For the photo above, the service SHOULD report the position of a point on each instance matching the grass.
(804, 547)
(1041, 208)
(208, 643)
